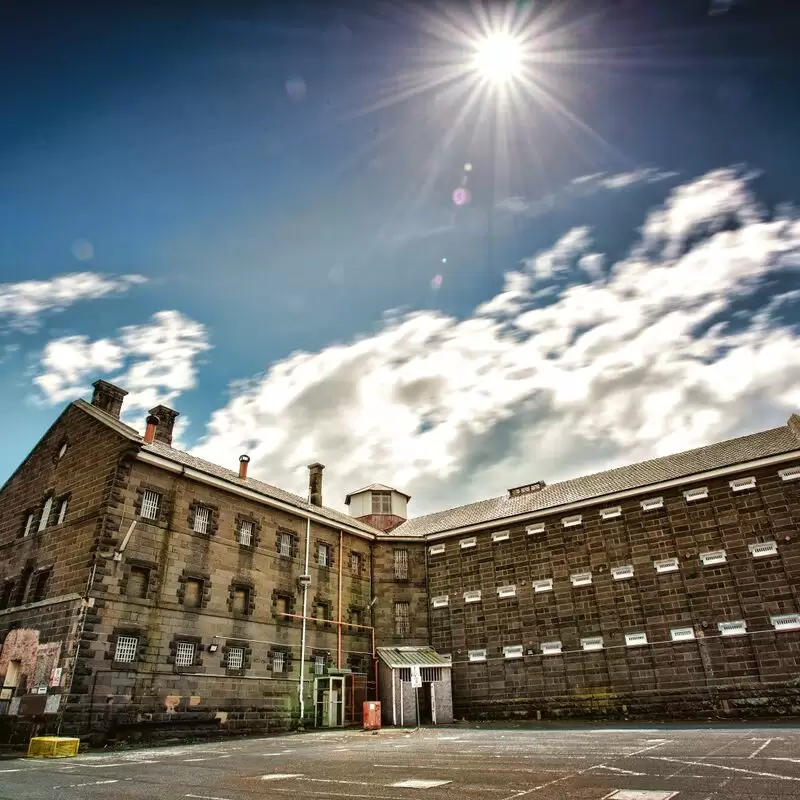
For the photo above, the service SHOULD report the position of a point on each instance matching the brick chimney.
(108, 397)
(166, 422)
(315, 484)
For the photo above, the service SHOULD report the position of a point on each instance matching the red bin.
(372, 715)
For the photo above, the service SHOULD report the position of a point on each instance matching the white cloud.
(22, 304)
(561, 255)
(603, 374)
(155, 362)
(582, 186)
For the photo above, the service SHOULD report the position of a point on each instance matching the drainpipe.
(339, 612)
(305, 580)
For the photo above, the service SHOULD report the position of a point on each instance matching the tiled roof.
(376, 487)
(266, 489)
(398, 657)
(715, 456)
(199, 464)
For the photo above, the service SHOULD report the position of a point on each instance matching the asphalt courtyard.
(467, 763)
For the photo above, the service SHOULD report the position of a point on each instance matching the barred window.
(402, 621)
(151, 502)
(278, 661)
(401, 565)
(184, 654)
(355, 563)
(245, 533)
(125, 651)
(319, 665)
(323, 555)
(381, 502)
(235, 657)
(62, 511)
(202, 518)
(285, 544)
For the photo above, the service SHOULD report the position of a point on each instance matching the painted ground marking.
(639, 794)
(417, 783)
(281, 776)
(722, 766)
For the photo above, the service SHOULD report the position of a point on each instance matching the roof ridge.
(554, 488)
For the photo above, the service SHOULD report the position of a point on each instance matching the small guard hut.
(415, 686)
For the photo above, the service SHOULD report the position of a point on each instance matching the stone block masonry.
(639, 667)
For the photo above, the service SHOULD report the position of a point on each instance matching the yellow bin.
(53, 747)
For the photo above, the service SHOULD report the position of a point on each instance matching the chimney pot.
(166, 422)
(244, 460)
(108, 397)
(315, 484)
(150, 431)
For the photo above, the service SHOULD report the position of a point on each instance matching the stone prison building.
(147, 593)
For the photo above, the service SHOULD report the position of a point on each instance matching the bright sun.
(499, 57)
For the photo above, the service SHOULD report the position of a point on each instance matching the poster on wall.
(53, 703)
(55, 677)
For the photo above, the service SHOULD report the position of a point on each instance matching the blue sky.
(247, 214)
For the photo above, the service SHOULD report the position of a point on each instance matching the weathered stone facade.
(146, 593)
(711, 673)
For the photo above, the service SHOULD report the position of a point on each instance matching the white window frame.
(785, 622)
(553, 648)
(501, 536)
(581, 578)
(151, 504)
(611, 513)
(472, 596)
(544, 585)
(285, 544)
(713, 557)
(355, 563)
(245, 532)
(573, 521)
(476, 656)
(202, 520)
(185, 654)
(742, 484)
(592, 643)
(635, 639)
(319, 665)
(736, 627)
(384, 504)
(126, 649)
(466, 544)
(402, 622)
(323, 554)
(686, 634)
(763, 549)
(537, 527)
(278, 661)
(513, 651)
(622, 573)
(699, 493)
(507, 591)
(436, 549)
(235, 658)
(62, 511)
(45, 518)
(652, 503)
(441, 602)
(664, 565)
(789, 474)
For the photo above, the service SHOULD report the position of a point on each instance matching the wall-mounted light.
(213, 647)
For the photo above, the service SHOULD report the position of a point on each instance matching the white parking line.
(722, 766)
(767, 743)
(91, 783)
(618, 770)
